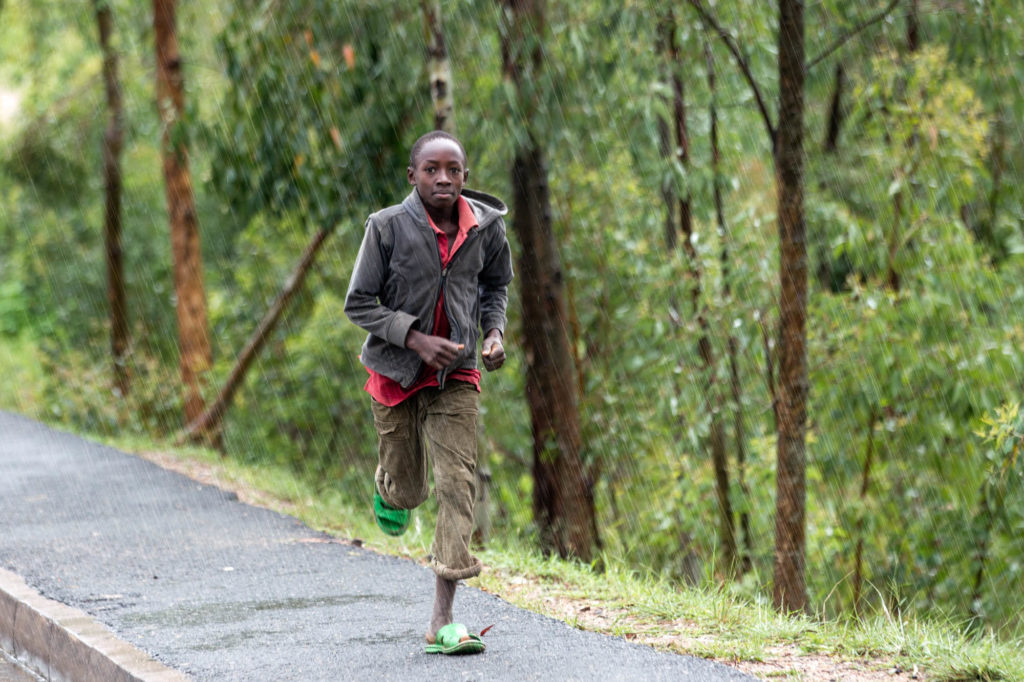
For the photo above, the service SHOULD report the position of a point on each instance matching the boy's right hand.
(436, 351)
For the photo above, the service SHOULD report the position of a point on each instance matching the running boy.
(431, 273)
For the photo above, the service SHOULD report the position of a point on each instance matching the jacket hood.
(484, 204)
(487, 207)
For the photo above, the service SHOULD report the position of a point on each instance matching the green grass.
(22, 373)
(706, 621)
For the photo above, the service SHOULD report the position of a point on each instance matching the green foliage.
(51, 187)
(996, 560)
(14, 314)
(1005, 431)
(921, 131)
(894, 357)
(321, 110)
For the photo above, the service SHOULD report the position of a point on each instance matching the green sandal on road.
(391, 520)
(449, 640)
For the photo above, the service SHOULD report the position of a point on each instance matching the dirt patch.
(815, 667)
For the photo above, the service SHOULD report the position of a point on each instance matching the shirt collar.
(467, 219)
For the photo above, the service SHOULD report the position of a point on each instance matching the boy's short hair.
(417, 146)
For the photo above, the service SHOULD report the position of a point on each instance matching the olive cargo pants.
(443, 424)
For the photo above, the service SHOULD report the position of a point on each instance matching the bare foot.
(431, 639)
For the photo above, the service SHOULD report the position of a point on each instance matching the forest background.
(637, 145)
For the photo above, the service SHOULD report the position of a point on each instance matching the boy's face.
(439, 173)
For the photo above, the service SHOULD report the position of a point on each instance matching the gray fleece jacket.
(398, 277)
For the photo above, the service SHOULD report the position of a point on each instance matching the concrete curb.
(63, 643)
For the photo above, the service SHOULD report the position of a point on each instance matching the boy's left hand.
(493, 352)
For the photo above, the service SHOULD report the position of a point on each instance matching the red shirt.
(389, 392)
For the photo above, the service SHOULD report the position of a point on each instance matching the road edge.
(60, 642)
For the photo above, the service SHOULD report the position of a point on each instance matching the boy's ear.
(409, 174)
(465, 175)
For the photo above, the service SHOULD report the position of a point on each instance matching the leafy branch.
(741, 61)
(1006, 433)
(733, 46)
(839, 42)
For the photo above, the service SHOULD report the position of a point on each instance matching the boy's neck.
(446, 221)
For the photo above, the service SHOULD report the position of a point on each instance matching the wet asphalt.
(221, 590)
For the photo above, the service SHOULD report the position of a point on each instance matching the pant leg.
(401, 476)
(450, 430)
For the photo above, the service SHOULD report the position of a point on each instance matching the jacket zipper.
(442, 375)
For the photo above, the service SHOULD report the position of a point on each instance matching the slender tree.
(899, 179)
(865, 484)
(210, 420)
(790, 391)
(913, 25)
(716, 436)
(745, 561)
(999, 129)
(790, 591)
(193, 338)
(835, 109)
(668, 30)
(789, 388)
(983, 525)
(113, 142)
(668, 133)
(563, 499)
(438, 67)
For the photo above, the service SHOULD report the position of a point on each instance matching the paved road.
(220, 590)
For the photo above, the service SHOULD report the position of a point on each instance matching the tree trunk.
(983, 523)
(790, 592)
(563, 501)
(682, 138)
(438, 67)
(716, 435)
(193, 338)
(665, 136)
(865, 483)
(789, 396)
(666, 32)
(689, 561)
(745, 560)
(892, 275)
(913, 25)
(835, 110)
(746, 557)
(210, 420)
(113, 142)
(997, 165)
